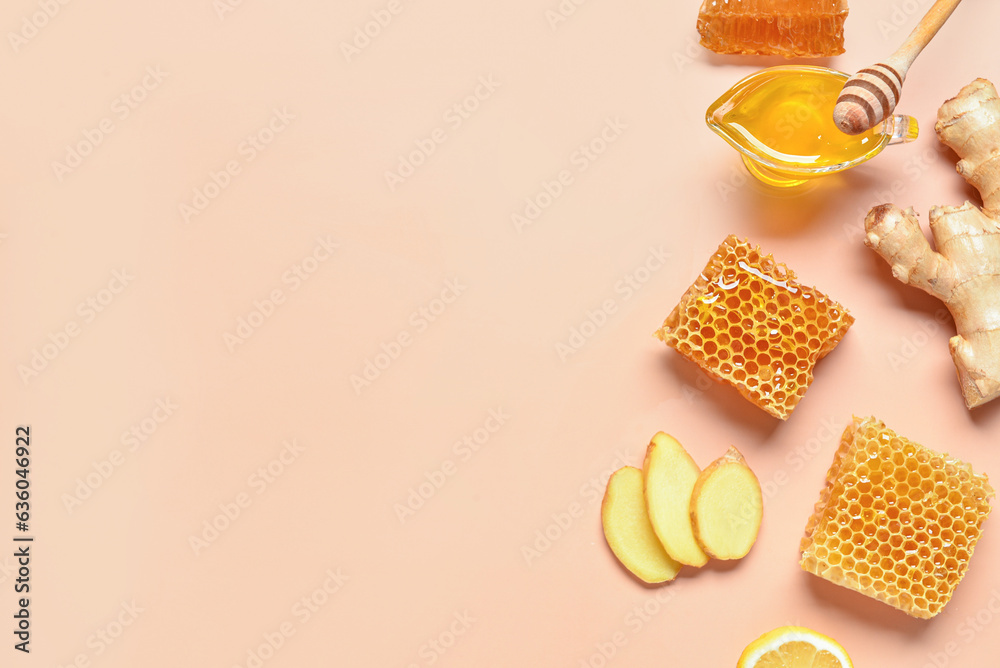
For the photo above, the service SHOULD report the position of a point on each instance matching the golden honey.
(781, 120)
(747, 321)
(896, 521)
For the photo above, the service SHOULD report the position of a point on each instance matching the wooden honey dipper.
(870, 96)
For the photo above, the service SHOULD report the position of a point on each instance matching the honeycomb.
(896, 521)
(746, 321)
(789, 28)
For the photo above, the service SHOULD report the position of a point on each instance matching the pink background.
(455, 581)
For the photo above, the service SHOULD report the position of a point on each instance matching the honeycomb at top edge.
(746, 321)
(896, 521)
(789, 28)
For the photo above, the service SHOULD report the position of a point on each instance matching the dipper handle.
(871, 95)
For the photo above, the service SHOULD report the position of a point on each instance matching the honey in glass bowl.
(781, 120)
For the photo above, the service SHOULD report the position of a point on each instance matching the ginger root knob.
(964, 271)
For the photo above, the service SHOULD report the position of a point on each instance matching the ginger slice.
(964, 272)
(727, 507)
(669, 474)
(628, 531)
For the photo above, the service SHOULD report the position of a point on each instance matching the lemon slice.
(794, 647)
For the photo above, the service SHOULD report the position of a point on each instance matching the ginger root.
(964, 273)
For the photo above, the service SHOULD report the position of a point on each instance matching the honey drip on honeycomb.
(746, 321)
(789, 28)
(896, 521)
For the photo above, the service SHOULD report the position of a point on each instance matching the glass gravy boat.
(781, 121)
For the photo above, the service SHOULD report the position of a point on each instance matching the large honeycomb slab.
(789, 28)
(896, 521)
(746, 321)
